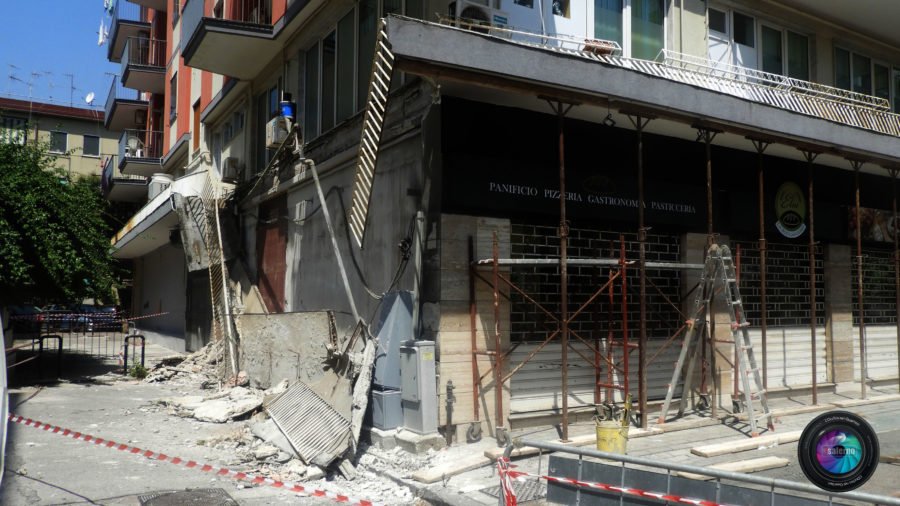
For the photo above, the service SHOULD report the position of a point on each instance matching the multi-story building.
(671, 123)
(75, 135)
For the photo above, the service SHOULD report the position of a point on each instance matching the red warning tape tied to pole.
(259, 480)
(507, 475)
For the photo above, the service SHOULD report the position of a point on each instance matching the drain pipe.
(419, 243)
(334, 243)
(450, 399)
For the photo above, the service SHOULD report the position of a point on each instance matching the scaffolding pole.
(761, 146)
(896, 265)
(859, 284)
(640, 123)
(707, 135)
(810, 158)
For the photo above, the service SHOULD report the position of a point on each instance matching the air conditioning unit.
(276, 131)
(479, 13)
(231, 167)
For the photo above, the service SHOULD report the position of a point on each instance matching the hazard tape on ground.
(506, 473)
(220, 471)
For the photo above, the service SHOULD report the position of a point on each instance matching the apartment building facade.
(743, 123)
(75, 135)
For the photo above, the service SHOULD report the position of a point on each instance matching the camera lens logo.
(838, 451)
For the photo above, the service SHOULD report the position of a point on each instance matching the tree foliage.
(54, 242)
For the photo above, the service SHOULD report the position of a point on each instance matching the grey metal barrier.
(771, 484)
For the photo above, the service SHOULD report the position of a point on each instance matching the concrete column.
(838, 313)
(693, 250)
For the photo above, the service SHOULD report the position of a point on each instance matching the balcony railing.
(144, 52)
(117, 91)
(126, 11)
(112, 174)
(140, 144)
(144, 64)
(128, 21)
(812, 99)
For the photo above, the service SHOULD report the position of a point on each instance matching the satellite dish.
(89, 98)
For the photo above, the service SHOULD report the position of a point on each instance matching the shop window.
(58, 142)
(90, 146)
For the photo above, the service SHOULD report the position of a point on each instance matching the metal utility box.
(419, 389)
(386, 411)
(394, 327)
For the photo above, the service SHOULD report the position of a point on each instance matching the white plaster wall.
(162, 289)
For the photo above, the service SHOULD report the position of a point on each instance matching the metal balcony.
(237, 43)
(144, 64)
(125, 108)
(140, 152)
(157, 5)
(120, 187)
(128, 21)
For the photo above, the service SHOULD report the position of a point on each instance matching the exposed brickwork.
(879, 296)
(542, 283)
(787, 284)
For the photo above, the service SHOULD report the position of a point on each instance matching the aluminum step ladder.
(719, 271)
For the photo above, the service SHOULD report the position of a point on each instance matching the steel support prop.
(561, 109)
(760, 149)
(498, 364)
(707, 135)
(810, 158)
(472, 326)
(859, 284)
(595, 313)
(626, 348)
(640, 123)
(896, 263)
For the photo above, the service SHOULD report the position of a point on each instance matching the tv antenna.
(71, 87)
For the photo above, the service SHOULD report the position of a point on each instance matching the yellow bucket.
(611, 437)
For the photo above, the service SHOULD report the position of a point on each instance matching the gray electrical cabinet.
(418, 392)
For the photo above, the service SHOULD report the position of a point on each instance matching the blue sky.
(52, 38)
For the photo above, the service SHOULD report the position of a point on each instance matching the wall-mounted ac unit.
(276, 131)
(231, 167)
(479, 13)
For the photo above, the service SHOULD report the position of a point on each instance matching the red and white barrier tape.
(506, 474)
(291, 487)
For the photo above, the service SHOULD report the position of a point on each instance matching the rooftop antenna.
(34, 75)
(12, 77)
(71, 87)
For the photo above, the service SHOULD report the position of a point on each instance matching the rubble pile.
(255, 443)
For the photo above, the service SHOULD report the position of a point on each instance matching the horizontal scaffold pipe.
(588, 261)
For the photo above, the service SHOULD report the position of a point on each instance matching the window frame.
(84, 144)
(893, 71)
(65, 140)
(173, 97)
(627, 28)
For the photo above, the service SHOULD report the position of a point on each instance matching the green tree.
(54, 242)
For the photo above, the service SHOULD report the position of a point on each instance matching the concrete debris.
(265, 429)
(265, 451)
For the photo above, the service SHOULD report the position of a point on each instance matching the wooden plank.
(582, 440)
(451, 468)
(787, 411)
(890, 459)
(744, 444)
(870, 400)
(741, 466)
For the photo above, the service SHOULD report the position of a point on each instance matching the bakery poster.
(876, 224)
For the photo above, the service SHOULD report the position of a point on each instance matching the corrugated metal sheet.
(314, 428)
(881, 351)
(536, 386)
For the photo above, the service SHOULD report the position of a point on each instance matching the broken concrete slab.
(419, 443)
(745, 444)
(741, 466)
(292, 346)
(384, 439)
(265, 451)
(238, 402)
(264, 428)
(453, 468)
